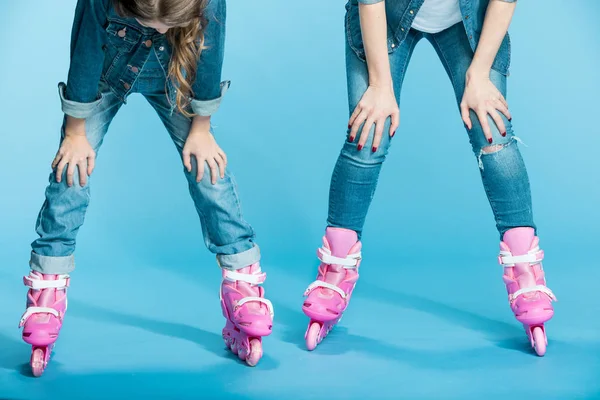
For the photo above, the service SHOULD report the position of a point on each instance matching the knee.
(504, 158)
(368, 154)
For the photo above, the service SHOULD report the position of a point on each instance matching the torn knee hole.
(493, 149)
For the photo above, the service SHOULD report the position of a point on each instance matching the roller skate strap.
(37, 310)
(350, 261)
(537, 288)
(36, 283)
(258, 299)
(321, 284)
(534, 256)
(256, 278)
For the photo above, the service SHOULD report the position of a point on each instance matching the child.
(171, 52)
(470, 37)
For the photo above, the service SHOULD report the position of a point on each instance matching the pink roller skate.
(530, 299)
(329, 295)
(42, 320)
(249, 315)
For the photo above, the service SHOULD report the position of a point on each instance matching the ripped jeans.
(502, 169)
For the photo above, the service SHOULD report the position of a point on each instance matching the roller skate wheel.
(312, 336)
(255, 352)
(539, 340)
(38, 362)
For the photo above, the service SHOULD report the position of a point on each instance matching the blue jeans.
(225, 232)
(502, 169)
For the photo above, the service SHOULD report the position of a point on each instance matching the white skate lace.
(255, 278)
(538, 288)
(533, 256)
(35, 282)
(349, 262)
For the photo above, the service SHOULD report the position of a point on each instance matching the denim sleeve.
(208, 88)
(88, 36)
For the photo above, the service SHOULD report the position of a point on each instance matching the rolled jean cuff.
(240, 260)
(52, 265)
(74, 108)
(206, 108)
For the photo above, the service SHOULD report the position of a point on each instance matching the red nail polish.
(503, 133)
(374, 149)
(393, 133)
(359, 147)
(351, 139)
(349, 126)
(490, 140)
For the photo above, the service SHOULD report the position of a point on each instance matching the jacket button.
(122, 32)
(135, 70)
(161, 48)
(466, 17)
(127, 86)
(148, 43)
(411, 11)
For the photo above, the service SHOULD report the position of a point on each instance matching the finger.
(222, 164)
(91, 163)
(187, 160)
(355, 113)
(358, 121)
(503, 100)
(60, 168)
(223, 156)
(57, 158)
(82, 167)
(200, 171)
(503, 109)
(394, 123)
(379, 125)
(365, 133)
(487, 132)
(498, 121)
(466, 116)
(213, 170)
(70, 173)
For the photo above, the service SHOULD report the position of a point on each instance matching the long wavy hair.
(186, 37)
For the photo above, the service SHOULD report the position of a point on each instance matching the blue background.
(429, 317)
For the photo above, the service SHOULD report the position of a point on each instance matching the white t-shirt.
(436, 15)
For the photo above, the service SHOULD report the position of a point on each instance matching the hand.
(375, 106)
(482, 96)
(75, 151)
(202, 145)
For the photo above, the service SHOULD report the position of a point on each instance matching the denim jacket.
(400, 15)
(105, 46)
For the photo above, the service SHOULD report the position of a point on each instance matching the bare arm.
(378, 103)
(480, 93)
(497, 20)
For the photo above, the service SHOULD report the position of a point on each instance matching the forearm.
(373, 26)
(497, 20)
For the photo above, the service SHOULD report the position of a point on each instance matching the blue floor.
(156, 334)
(429, 318)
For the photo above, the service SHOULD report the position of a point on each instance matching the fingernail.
(351, 139)
(393, 133)
(503, 133)
(359, 147)
(349, 126)
(490, 140)
(510, 119)
(374, 149)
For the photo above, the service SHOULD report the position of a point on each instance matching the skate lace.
(248, 283)
(351, 261)
(538, 288)
(36, 282)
